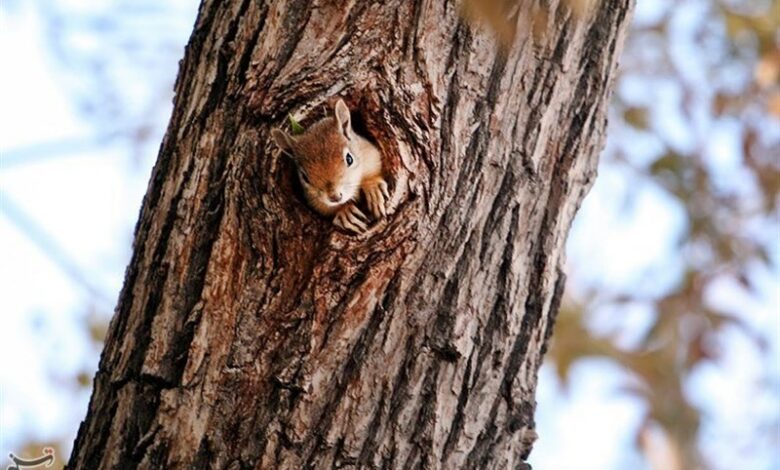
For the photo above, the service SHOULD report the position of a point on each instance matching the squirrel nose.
(334, 197)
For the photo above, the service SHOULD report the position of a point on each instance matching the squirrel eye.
(349, 159)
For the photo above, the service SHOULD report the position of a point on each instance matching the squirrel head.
(326, 157)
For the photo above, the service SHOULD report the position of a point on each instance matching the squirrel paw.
(351, 219)
(377, 195)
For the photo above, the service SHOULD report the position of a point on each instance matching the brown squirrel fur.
(335, 165)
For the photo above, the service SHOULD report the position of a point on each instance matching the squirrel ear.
(283, 141)
(342, 117)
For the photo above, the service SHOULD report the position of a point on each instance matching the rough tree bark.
(251, 334)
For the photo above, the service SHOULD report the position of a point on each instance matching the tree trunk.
(252, 334)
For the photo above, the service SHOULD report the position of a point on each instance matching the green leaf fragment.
(295, 126)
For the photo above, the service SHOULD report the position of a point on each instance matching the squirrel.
(334, 165)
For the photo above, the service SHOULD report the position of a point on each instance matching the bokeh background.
(666, 353)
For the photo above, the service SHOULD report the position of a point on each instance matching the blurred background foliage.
(696, 117)
(673, 259)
